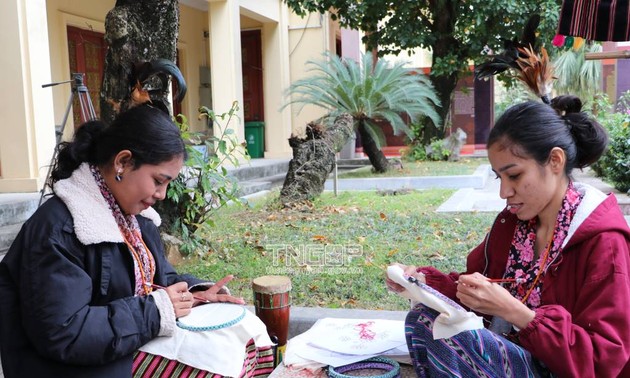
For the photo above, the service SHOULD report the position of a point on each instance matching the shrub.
(204, 184)
(614, 166)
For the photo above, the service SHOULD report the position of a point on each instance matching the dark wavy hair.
(532, 129)
(148, 132)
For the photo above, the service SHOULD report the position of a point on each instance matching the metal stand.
(79, 91)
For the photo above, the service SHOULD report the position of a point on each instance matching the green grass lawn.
(336, 249)
(465, 166)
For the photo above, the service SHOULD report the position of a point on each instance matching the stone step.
(259, 169)
(249, 187)
(15, 208)
(267, 183)
(7, 235)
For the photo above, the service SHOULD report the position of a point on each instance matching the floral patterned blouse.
(521, 264)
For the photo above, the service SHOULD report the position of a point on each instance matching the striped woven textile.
(258, 363)
(479, 353)
(596, 20)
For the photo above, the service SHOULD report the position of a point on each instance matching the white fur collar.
(593, 197)
(93, 220)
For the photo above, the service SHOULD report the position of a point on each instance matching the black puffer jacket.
(67, 307)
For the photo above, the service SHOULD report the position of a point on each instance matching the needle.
(204, 300)
(505, 280)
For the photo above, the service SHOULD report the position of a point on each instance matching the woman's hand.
(215, 294)
(409, 271)
(478, 293)
(181, 299)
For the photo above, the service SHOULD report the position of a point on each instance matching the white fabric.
(93, 220)
(453, 318)
(215, 350)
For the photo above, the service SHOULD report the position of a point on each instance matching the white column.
(276, 79)
(225, 59)
(28, 125)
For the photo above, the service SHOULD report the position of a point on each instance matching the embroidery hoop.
(382, 363)
(211, 317)
(439, 295)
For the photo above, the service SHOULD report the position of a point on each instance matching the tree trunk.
(444, 88)
(135, 31)
(444, 28)
(314, 159)
(370, 148)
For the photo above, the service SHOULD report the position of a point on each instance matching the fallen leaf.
(383, 216)
(392, 252)
(436, 256)
(320, 238)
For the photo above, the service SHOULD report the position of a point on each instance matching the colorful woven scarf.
(143, 263)
(521, 263)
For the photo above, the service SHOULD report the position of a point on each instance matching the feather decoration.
(530, 67)
(150, 80)
(536, 72)
(511, 51)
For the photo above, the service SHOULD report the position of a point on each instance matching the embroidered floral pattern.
(143, 263)
(521, 262)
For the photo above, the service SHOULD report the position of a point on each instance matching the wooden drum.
(272, 301)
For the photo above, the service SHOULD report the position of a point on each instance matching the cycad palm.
(369, 92)
(576, 75)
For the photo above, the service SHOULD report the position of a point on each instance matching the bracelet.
(392, 367)
(212, 327)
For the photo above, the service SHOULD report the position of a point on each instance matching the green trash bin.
(255, 138)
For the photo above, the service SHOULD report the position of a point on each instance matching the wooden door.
(251, 52)
(86, 50)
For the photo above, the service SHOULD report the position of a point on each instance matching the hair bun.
(567, 104)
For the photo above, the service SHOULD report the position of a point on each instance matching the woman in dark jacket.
(562, 250)
(75, 287)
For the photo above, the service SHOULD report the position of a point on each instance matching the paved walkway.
(487, 198)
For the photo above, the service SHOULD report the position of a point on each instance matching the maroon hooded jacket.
(582, 328)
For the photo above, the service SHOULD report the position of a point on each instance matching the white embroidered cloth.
(220, 351)
(453, 318)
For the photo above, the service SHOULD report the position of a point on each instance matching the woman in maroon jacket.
(564, 247)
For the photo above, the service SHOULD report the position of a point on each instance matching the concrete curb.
(476, 181)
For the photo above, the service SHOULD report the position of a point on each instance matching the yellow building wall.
(89, 15)
(309, 38)
(193, 53)
(288, 42)
(27, 126)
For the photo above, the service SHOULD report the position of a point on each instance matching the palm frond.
(567, 68)
(366, 90)
(576, 75)
(591, 73)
